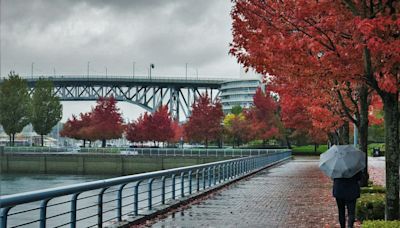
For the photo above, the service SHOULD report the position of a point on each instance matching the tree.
(204, 124)
(46, 108)
(264, 116)
(77, 128)
(160, 127)
(106, 121)
(238, 128)
(156, 127)
(339, 42)
(14, 105)
(237, 109)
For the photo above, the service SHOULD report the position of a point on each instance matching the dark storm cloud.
(67, 34)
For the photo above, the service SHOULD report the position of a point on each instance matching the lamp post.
(151, 67)
(133, 69)
(88, 65)
(186, 70)
(32, 70)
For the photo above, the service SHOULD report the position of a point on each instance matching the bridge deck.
(116, 80)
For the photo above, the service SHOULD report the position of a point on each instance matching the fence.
(104, 202)
(198, 152)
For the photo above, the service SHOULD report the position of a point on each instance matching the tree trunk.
(103, 143)
(289, 145)
(41, 140)
(345, 133)
(207, 143)
(13, 139)
(315, 147)
(363, 131)
(84, 143)
(10, 136)
(390, 107)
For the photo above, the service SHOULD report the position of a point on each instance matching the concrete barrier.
(94, 163)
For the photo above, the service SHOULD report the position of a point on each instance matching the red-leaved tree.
(205, 123)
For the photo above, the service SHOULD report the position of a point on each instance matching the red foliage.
(106, 121)
(157, 127)
(264, 116)
(204, 124)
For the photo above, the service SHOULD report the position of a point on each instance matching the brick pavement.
(294, 194)
(376, 169)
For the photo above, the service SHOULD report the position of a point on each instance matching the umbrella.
(342, 161)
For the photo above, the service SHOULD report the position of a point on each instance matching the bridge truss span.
(177, 94)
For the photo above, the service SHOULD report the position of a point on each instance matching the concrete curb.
(173, 204)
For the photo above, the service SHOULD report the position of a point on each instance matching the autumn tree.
(14, 105)
(156, 127)
(264, 116)
(46, 108)
(337, 42)
(106, 121)
(77, 128)
(238, 128)
(204, 125)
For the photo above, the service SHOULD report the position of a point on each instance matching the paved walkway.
(294, 194)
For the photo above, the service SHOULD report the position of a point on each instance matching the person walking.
(346, 191)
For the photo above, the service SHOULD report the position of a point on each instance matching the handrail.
(20, 198)
(178, 179)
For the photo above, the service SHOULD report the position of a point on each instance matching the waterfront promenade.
(294, 194)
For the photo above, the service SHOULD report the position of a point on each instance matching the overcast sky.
(64, 35)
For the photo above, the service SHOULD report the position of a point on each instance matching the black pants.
(351, 212)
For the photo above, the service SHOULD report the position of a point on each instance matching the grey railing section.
(189, 152)
(104, 202)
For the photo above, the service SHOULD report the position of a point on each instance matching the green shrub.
(371, 206)
(373, 189)
(381, 224)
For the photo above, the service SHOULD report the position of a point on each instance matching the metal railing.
(186, 152)
(105, 202)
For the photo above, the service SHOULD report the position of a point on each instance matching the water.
(58, 208)
(17, 183)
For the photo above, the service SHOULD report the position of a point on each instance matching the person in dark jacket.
(346, 191)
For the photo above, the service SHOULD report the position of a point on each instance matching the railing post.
(100, 208)
(209, 176)
(150, 193)
(190, 182)
(73, 209)
(215, 175)
(119, 202)
(197, 180)
(204, 178)
(163, 190)
(182, 184)
(136, 199)
(43, 212)
(173, 186)
(3, 217)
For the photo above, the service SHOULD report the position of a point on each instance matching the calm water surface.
(17, 183)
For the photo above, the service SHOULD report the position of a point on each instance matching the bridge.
(178, 93)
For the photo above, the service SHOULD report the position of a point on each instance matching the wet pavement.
(376, 169)
(294, 194)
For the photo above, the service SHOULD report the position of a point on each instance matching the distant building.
(238, 92)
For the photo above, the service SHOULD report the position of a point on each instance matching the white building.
(238, 92)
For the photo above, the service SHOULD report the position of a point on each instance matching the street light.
(88, 64)
(151, 67)
(133, 69)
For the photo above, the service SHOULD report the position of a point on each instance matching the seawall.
(110, 164)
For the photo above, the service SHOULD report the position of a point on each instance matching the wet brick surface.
(294, 194)
(376, 169)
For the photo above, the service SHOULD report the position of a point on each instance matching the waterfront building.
(238, 92)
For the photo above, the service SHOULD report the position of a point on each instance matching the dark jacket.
(347, 188)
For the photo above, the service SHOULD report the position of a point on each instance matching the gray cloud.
(66, 34)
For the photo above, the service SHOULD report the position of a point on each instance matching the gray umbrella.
(342, 161)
